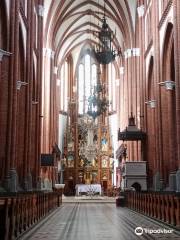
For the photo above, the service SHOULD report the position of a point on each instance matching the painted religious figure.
(104, 144)
(95, 162)
(81, 162)
(70, 159)
(104, 161)
(64, 162)
(111, 163)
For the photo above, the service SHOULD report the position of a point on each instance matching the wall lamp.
(35, 102)
(169, 85)
(151, 103)
(19, 84)
(4, 53)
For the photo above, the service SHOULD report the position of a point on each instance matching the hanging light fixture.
(104, 51)
(97, 102)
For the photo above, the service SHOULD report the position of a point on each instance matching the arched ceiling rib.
(69, 24)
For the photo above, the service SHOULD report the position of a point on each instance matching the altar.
(88, 188)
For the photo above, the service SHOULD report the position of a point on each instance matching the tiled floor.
(96, 221)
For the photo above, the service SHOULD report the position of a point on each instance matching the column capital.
(40, 10)
(4, 53)
(141, 10)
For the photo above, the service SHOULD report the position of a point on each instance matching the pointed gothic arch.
(3, 26)
(21, 109)
(168, 106)
(150, 116)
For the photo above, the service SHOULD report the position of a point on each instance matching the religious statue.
(104, 143)
(95, 162)
(70, 159)
(104, 146)
(81, 163)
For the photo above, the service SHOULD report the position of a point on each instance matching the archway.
(21, 112)
(4, 69)
(136, 186)
(3, 26)
(168, 106)
(150, 116)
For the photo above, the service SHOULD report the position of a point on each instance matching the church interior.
(89, 109)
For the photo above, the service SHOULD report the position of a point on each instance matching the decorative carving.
(41, 10)
(70, 159)
(165, 13)
(104, 161)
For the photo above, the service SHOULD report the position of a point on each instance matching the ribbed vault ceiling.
(69, 24)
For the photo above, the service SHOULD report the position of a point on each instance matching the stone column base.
(28, 182)
(157, 182)
(39, 184)
(178, 181)
(161, 184)
(11, 181)
(172, 181)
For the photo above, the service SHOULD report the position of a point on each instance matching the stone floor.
(96, 221)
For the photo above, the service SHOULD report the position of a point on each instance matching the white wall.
(114, 132)
(62, 129)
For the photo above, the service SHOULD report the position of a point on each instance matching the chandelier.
(104, 51)
(97, 102)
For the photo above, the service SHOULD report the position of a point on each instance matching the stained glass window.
(87, 79)
(112, 86)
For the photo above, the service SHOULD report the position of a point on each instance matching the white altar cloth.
(88, 188)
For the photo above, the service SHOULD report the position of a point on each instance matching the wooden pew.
(22, 210)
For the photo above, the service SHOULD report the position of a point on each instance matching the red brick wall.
(19, 116)
(20, 122)
(162, 123)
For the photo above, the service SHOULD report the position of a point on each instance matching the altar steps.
(88, 199)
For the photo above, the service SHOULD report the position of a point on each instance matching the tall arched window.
(64, 87)
(87, 79)
(3, 26)
(112, 86)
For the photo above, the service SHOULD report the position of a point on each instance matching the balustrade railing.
(21, 211)
(164, 207)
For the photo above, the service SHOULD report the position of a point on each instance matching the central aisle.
(95, 221)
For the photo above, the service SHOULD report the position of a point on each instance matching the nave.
(96, 221)
(89, 105)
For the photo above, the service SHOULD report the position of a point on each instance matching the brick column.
(176, 5)
(29, 78)
(39, 96)
(172, 140)
(158, 123)
(141, 76)
(1, 67)
(12, 33)
(3, 113)
(141, 41)
(11, 175)
(52, 104)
